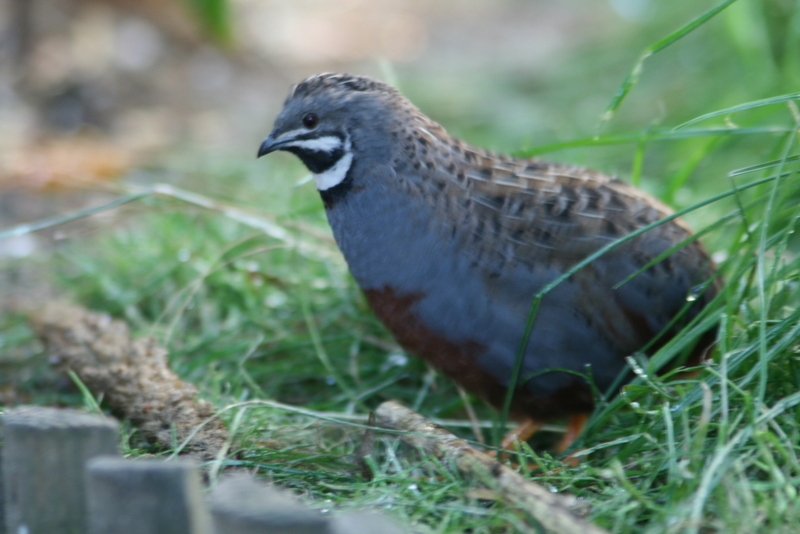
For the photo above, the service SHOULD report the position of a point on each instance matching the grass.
(251, 315)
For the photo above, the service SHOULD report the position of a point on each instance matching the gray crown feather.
(348, 82)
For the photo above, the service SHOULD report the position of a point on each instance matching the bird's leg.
(523, 432)
(575, 425)
(528, 427)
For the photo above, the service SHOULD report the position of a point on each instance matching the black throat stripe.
(317, 161)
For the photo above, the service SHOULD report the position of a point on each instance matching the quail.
(450, 243)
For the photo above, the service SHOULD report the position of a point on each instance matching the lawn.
(698, 105)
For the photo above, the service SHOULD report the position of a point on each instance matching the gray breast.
(395, 241)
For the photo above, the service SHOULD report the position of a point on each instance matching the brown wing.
(533, 211)
(540, 218)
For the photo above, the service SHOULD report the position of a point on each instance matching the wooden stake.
(145, 496)
(44, 455)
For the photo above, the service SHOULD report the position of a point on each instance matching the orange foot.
(528, 427)
(575, 426)
(523, 432)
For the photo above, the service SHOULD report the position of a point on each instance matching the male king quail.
(450, 243)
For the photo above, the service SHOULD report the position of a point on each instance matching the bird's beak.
(271, 144)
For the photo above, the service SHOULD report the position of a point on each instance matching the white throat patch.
(336, 174)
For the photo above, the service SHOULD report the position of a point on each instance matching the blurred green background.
(103, 99)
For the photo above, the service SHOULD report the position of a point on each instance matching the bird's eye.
(310, 121)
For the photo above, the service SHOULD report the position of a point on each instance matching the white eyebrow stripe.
(328, 143)
(291, 133)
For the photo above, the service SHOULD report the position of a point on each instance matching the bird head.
(334, 122)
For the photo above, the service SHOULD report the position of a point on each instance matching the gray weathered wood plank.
(43, 459)
(146, 496)
(241, 505)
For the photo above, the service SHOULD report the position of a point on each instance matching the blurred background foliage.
(104, 98)
(214, 18)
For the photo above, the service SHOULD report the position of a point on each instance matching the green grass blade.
(653, 134)
(633, 77)
(765, 165)
(23, 229)
(742, 107)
